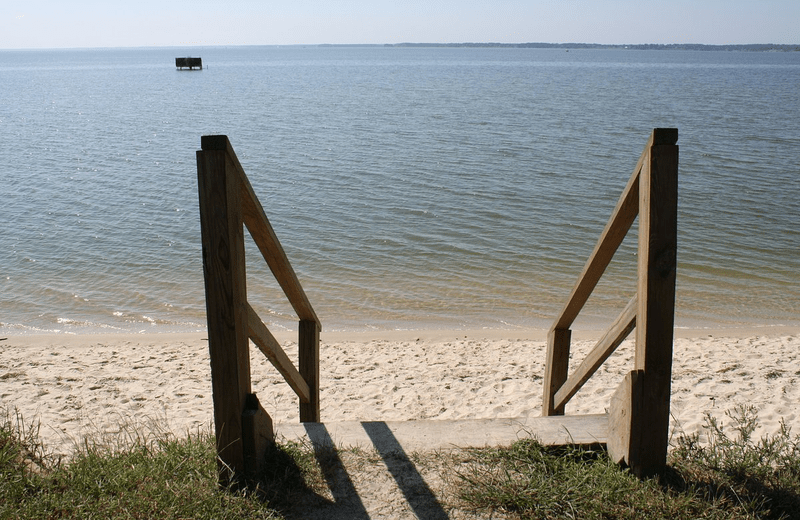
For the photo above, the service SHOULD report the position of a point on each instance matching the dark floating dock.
(190, 63)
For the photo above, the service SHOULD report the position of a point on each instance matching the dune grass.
(723, 477)
(724, 473)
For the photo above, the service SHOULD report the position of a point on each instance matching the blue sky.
(137, 23)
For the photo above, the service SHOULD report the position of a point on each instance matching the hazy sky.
(135, 23)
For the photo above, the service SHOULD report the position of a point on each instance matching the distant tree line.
(754, 47)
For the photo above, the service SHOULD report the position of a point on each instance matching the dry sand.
(77, 385)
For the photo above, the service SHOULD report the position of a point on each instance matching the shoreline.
(282, 335)
(584, 326)
(85, 385)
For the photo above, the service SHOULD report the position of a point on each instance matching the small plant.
(712, 476)
(22, 456)
(761, 475)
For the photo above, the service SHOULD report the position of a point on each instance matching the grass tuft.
(758, 475)
(537, 481)
(154, 477)
(725, 477)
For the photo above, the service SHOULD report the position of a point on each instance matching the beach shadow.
(346, 501)
(416, 491)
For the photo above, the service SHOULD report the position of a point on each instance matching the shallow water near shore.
(411, 188)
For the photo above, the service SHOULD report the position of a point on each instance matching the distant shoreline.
(754, 47)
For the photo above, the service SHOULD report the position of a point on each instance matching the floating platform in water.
(190, 63)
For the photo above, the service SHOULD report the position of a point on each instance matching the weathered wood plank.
(556, 369)
(658, 245)
(308, 349)
(614, 336)
(226, 296)
(624, 426)
(267, 343)
(438, 434)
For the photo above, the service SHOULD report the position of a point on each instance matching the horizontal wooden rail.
(614, 336)
(267, 343)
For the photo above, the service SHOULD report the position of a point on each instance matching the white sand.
(76, 385)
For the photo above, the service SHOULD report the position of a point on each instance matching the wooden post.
(308, 347)
(658, 217)
(625, 429)
(257, 436)
(226, 299)
(556, 368)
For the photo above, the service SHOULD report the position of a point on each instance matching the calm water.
(411, 188)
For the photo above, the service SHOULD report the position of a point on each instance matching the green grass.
(758, 476)
(725, 473)
(723, 477)
(161, 477)
(535, 481)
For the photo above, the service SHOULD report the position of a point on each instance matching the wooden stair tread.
(431, 435)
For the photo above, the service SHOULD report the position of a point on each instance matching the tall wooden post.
(226, 298)
(643, 404)
(658, 244)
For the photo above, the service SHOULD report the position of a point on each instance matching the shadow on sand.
(347, 503)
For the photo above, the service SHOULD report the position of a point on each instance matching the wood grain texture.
(226, 297)
(258, 435)
(658, 245)
(624, 425)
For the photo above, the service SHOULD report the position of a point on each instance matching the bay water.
(412, 188)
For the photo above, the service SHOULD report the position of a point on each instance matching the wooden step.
(411, 436)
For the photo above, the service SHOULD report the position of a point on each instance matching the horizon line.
(569, 45)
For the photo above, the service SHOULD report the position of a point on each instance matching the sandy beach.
(83, 385)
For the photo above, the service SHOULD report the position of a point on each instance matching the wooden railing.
(227, 201)
(639, 411)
